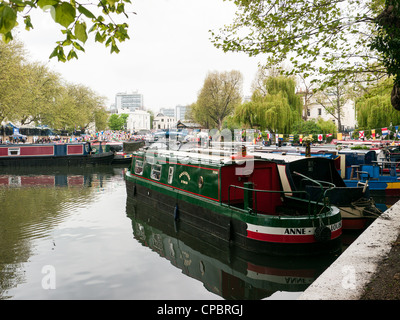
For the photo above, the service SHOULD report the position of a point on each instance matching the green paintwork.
(208, 196)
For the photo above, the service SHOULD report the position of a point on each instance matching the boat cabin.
(214, 178)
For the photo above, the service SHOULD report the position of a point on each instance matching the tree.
(117, 122)
(374, 109)
(329, 38)
(220, 94)
(333, 99)
(386, 42)
(274, 105)
(12, 78)
(38, 93)
(77, 19)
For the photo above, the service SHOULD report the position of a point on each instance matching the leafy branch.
(77, 20)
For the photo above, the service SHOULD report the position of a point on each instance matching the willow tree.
(220, 94)
(329, 39)
(274, 105)
(374, 109)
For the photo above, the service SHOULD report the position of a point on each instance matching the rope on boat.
(365, 205)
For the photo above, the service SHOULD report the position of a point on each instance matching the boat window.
(170, 174)
(13, 152)
(139, 167)
(155, 172)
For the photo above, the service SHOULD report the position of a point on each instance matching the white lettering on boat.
(184, 174)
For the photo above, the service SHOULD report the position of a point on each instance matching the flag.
(291, 137)
(328, 135)
(385, 131)
(339, 136)
(373, 134)
(301, 138)
(361, 134)
(320, 137)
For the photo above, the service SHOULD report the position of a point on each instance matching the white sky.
(166, 59)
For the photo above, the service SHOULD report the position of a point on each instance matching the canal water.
(70, 233)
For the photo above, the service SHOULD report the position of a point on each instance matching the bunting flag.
(385, 131)
(361, 134)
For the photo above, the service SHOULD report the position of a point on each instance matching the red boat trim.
(31, 151)
(288, 235)
(256, 269)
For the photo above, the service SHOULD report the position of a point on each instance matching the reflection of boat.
(220, 267)
(63, 154)
(53, 176)
(238, 201)
(316, 175)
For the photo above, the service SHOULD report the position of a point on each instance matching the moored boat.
(51, 154)
(376, 168)
(320, 178)
(237, 201)
(121, 156)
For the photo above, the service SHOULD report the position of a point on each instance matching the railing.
(253, 209)
(320, 183)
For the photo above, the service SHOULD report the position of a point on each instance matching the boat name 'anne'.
(333, 227)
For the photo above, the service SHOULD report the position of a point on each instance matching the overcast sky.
(166, 59)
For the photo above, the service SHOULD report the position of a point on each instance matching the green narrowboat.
(238, 200)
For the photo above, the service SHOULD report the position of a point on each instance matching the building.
(180, 112)
(128, 101)
(138, 120)
(348, 119)
(169, 112)
(162, 122)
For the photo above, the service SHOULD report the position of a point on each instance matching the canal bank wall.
(356, 267)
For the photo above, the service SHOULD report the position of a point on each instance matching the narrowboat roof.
(192, 157)
(220, 157)
(278, 157)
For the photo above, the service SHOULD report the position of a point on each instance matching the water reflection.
(34, 201)
(222, 269)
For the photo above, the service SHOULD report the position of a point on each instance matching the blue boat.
(376, 169)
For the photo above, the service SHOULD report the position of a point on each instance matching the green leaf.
(8, 19)
(86, 12)
(28, 24)
(59, 53)
(64, 14)
(78, 46)
(111, 2)
(7, 37)
(80, 31)
(45, 3)
(72, 54)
